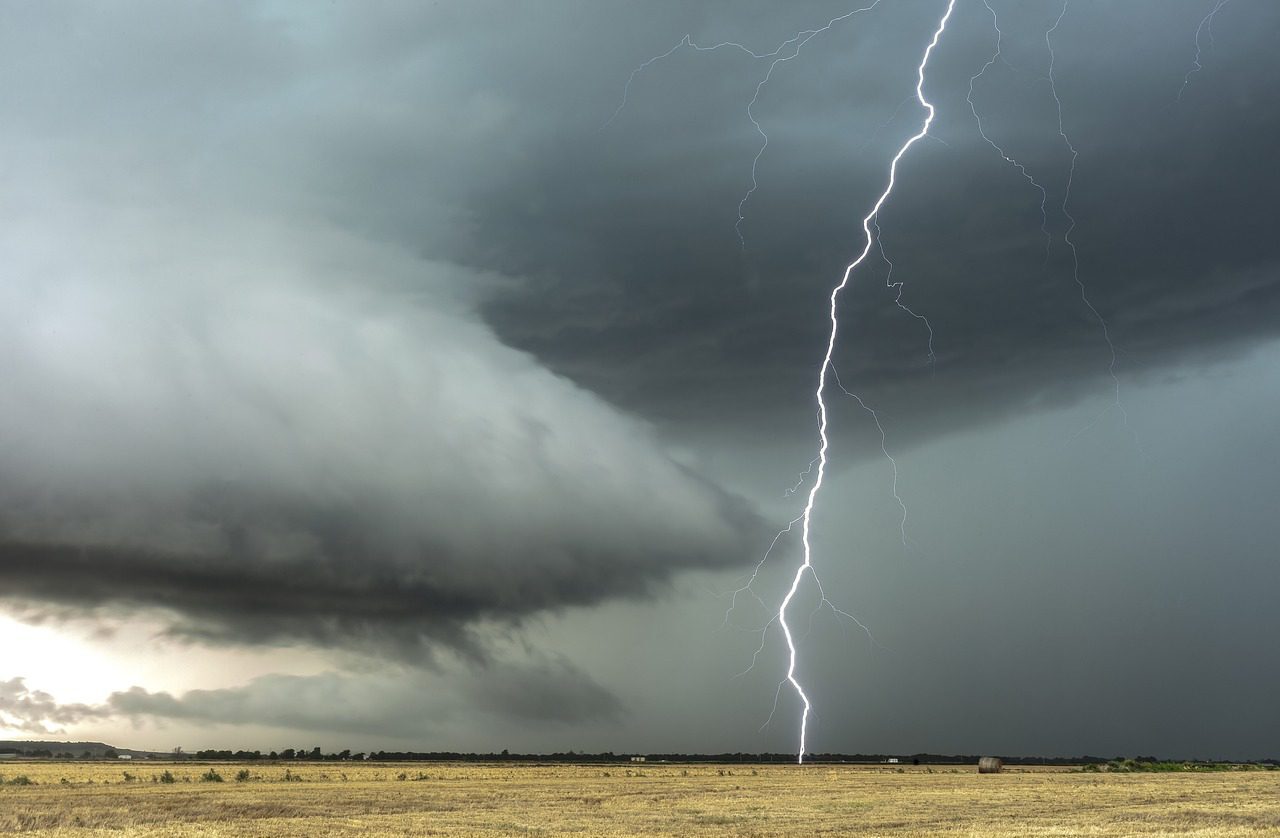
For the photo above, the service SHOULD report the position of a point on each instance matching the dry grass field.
(316, 799)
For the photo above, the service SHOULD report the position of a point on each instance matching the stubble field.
(314, 799)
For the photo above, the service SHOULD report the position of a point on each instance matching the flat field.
(469, 799)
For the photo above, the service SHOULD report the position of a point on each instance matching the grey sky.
(355, 330)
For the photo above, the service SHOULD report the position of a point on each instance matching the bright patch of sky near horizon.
(83, 664)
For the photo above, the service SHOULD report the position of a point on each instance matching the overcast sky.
(400, 376)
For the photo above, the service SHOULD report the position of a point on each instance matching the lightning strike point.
(824, 444)
(789, 50)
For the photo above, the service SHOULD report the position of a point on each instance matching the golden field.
(468, 799)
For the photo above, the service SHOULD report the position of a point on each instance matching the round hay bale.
(990, 765)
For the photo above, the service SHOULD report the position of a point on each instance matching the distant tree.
(177, 752)
(315, 753)
(110, 753)
(87, 755)
(287, 753)
(273, 755)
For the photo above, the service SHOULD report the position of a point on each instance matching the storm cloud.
(272, 427)
(364, 327)
(410, 704)
(274, 454)
(1172, 199)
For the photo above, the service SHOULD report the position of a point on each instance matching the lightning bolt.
(795, 487)
(1206, 28)
(998, 57)
(884, 449)
(799, 41)
(806, 566)
(1117, 404)
(788, 50)
(899, 286)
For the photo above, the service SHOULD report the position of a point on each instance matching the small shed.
(990, 765)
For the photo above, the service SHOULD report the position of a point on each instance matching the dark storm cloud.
(1173, 201)
(345, 599)
(276, 460)
(412, 703)
(399, 704)
(273, 425)
(442, 131)
(323, 323)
